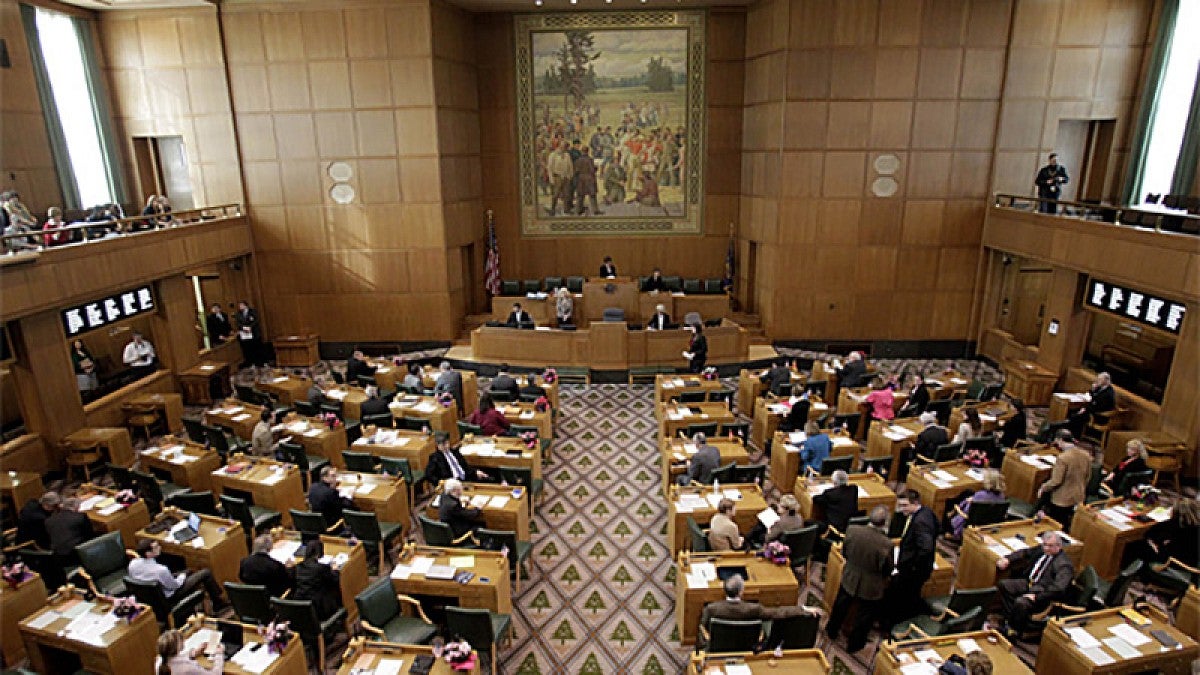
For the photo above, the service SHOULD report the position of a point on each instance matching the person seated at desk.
(357, 366)
(564, 306)
(918, 398)
(173, 660)
(505, 382)
(68, 528)
(324, 498)
(519, 318)
(991, 492)
(854, 373)
(139, 355)
(146, 569)
(797, 417)
(776, 378)
(1175, 537)
(815, 449)
(1047, 581)
(723, 534)
(449, 463)
(840, 501)
(491, 422)
(318, 582)
(262, 439)
(373, 405)
(532, 389)
(260, 569)
(413, 381)
(1134, 462)
(661, 320)
(31, 521)
(790, 519)
(655, 283)
(451, 511)
(734, 608)
(219, 327)
(1102, 400)
(607, 268)
(1015, 428)
(927, 441)
(316, 390)
(970, 427)
(701, 465)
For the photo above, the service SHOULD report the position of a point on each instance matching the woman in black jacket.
(1133, 462)
(697, 351)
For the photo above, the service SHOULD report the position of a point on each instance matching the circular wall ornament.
(342, 193)
(884, 186)
(341, 171)
(887, 164)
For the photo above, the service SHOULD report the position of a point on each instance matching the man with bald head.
(1102, 400)
(1040, 575)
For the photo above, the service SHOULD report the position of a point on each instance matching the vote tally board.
(1144, 308)
(100, 313)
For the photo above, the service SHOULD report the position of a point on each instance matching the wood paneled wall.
(26, 164)
(693, 256)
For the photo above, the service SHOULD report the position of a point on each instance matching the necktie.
(1038, 568)
(455, 467)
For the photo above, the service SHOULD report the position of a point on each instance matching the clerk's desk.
(352, 573)
(791, 662)
(415, 446)
(785, 454)
(769, 411)
(673, 418)
(512, 516)
(677, 451)
(363, 656)
(1026, 467)
(605, 345)
(126, 519)
(1060, 655)
(983, 546)
(188, 463)
(767, 583)
(490, 588)
(201, 629)
(273, 485)
(626, 294)
(436, 415)
(15, 604)
(127, 648)
(894, 656)
(938, 583)
(872, 492)
(385, 496)
(1107, 527)
(222, 545)
(748, 504)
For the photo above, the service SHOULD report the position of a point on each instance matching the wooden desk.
(1160, 442)
(939, 483)
(114, 440)
(1024, 472)
(512, 516)
(991, 413)
(854, 401)
(939, 582)
(792, 662)
(223, 545)
(127, 648)
(414, 446)
(767, 583)
(287, 388)
(315, 437)
(127, 520)
(946, 384)
(470, 384)
(352, 574)
(785, 455)
(872, 492)
(190, 464)
(490, 588)
(745, 514)
(439, 417)
(17, 488)
(525, 414)
(673, 419)
(351, 397)
(365, 656)
(676, 452)
(750, 387)
(977, 561)
(599, 294)
(892, 440)
(1187, 616)
(202, 380)
(1063, 404)
(669, 387)
(237, 416)
(385, 496)
(769, 412)
(15, 604)
(273, 485)
(1059, 655)
(1029, 381)
(893, 656)
(502, 451)
(297, 351)
(1105, 529)
(170, 405)
(291, 661)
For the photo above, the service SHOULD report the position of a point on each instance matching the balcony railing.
(1149, 217)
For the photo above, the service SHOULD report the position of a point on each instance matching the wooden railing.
(1156, 218)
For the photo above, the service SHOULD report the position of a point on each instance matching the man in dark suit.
(316, 391)
(1016, 428)
(219, 327)
(449, 463)
(518, 317)
(250, 334)
(324, 498)
(655, 282)
(701, 465)
(1103, 400)
(854, 372)
(734, 608)
(1049, 182)
(926, 442)
(608, 269)
(68, 528)
(776, 377)
(532, 388)
(461, 519)
(450, 380)
(1048, 579)
(918, 398)
(914, 563)
(661, 320)
(357, 365)
(840, 501)
(868, 554)
(373, 405)
(31, 522)
(260, 569)
(505, 383)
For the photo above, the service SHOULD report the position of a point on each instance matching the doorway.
(1023, 307)
(1084, 147)
(162, 169)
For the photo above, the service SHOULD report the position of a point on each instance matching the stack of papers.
(255, 661)
(768, 517)
(1129, 634)
(498, 501)
(797, 437)
(285, 551)
(241, 417)
(91, 627)
(281, 378)
(388, 667)
(45, 619)
(425, 407)
(110, 509)
(714, 498)
(1015, 544)
(272, 479)
(204, 636)
(975, 474)
(1036, 461)
(944, 476)
(1082, 638)
(336, 394)
(365, 489)
(689, 502)
(480, 501)
(89, 503)
(233, 410)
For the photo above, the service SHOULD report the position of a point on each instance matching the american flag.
(491, 279)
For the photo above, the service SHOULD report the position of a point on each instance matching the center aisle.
(601, 594)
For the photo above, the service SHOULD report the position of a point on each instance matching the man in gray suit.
(734, 608)
(1047, 581)
(703, 463)
(450, 380)
(868, 553)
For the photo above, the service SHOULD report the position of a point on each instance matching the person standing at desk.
(815, 449)
(317, 582)
(840, 502)
(146, 568)
(655, 283)
(450, 380)
(564, 305)
(139, 355)
(697, 351)
(1048, 581)
(461, 519)
(219, 327)
(927, 441)
(777, 377)
(881, 403)
(1067, 486)
(519, 318)
(868, 554)
(260, 569)
(85, 367)
(505, 383)
(914, 563)
(449, 463)
(1015, 428)
(918, 398)
(1049, 182)
(661, 320)
(324, 498)
(607, 268)
(250, 334)
(1102, 399)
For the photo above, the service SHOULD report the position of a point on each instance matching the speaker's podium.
(601, 293)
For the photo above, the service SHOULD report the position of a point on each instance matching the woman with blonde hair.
(172, 660)
(789, 518)
(1133, 462)
(992, 491)
(564, 305)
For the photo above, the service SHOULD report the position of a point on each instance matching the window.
(1175, 90)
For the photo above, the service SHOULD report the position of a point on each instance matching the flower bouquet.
(542, 404)
(550, 376)
(15, 574)
(330, 420)
(446, 399)
(276, 635)
(127, 608)
(459, 655)
(709, 373)
(530, 438)
(126, 497)
(777, 553)
(1147, 494)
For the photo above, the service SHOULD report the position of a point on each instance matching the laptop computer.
(190, 531)
(724, 573)
(231, 636)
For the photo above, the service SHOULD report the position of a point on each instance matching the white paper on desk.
(768, 517)
(1159, 514)
(364, 489)
(986, 418)
(893, 436)
(204, 636)
(999, 549)
(968, 645)
(1033, 460)
(797, 437)
(479, 501)
(928, 656)
(1049, 459)
(919, 669)
(274, 478)
(45, 619)
(1113, 515)
(791, 448)
(713, 498)
(388, 667)
(690, 448)
(900, 431)
(944, 475)
(401, 572)
(705, 570)
(1015, 544)
(233, 410)
(90, 503)
(111, 509)
(735, 495)
(198, 542)
(778, 409)
(694, 581)
(678, 457)
(346, 492)
(1122, 648)
(312, 433)
(239, 418)
(1098, 656)
(254, 661)
(281, 378)
(336, 394)
(421, 564)
(1129, 634)
(1082, 638)
(297, 427)
(425, 407)
(818, 488)
(975, 474)
(184, 459)
(939, 484)
(818, 406)
(738, 669)
(527, 414)
(285, 551)
(498, 501)
(862, 492)
(363, 440)
(1123, 510)
(681, 507)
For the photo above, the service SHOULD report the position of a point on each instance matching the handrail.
(123, 226)
(1156, 218)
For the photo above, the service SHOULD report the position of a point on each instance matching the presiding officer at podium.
(608, 269)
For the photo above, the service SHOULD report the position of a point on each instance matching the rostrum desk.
(297, 351)
(429, 376)
(18, 487)
(114, 440)
(1059, 655)
(750, 387)
(769, 584)
(385, 496)
(669, 387)
(936, 490)
(494, 452)
(203, 380)
(872, 491)
(513, 516)
(237, 416)
(315, 437)
(287, 388)
(893, 440)
(992, 414)
(170, 405)
(673, 419)
(1187, 616)
(1029, 381)
(437, 416)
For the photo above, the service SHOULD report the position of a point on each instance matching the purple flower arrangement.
(777, 553)
(15, 574)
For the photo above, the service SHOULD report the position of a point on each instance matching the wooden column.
(46, 381)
